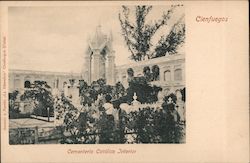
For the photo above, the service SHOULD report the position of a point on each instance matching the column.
(87, 69)
(172, 74)
(161, 75)
(95, 71)
(110, 74)
(102, 67)
(172, 79)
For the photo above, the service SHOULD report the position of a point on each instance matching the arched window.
(27, 84)
(167, 75)
(178, 74)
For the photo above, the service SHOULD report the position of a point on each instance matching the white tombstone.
(135, 103)
(21, 105)
(160, 97)
(178, 95)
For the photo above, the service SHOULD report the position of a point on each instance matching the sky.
(55, 38)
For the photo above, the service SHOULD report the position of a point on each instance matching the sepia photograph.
(97, 74)
(124, 81)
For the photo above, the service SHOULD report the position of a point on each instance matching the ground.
(28, 123)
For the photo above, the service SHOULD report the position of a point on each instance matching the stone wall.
(17, 78)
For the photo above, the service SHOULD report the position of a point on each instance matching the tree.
(40, 93)
(155, 72)
(12, 98)
(171, 42)
(130, 72)
(183, 93)
(119, 89)
(170, 129)
(13, 107)
(146, 93)
(147, 74)
(138, 34)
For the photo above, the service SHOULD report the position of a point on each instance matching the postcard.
(124, 81)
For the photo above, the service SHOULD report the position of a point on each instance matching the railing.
(33, 135)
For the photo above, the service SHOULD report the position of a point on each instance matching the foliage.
(151, 75)
(84, 126)
(70, 115)
(170, 98)
(14, 110)
(171, 42)
(12, 100)
(144, 91)
(183, 93)
(119, 90)
(138, 34)
(149, 126)
(40, 94)
(155, 73)
(89, 94)
(130, 73)
(147, 73)
(90, 124)
(108, 133)
(13, 95)
(154, 125)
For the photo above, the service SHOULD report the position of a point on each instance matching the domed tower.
(99, 58)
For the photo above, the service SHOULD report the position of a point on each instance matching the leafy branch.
(169, 44)
(138, 34)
